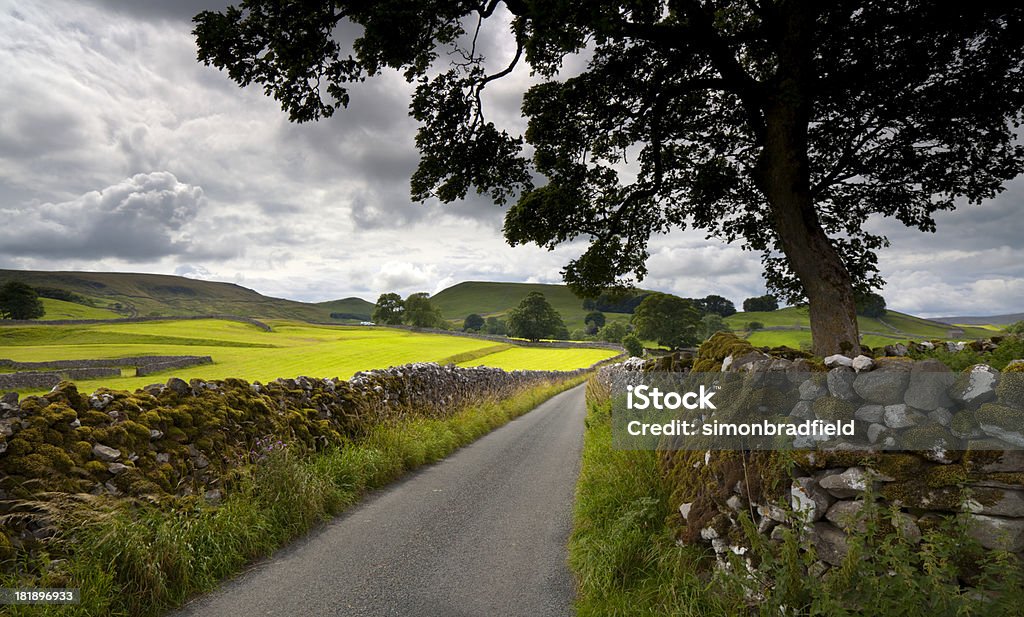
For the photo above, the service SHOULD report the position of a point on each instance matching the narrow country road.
(483, 532)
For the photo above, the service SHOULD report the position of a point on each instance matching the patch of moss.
(721, 345)
(915, 494)
(1007, 418)
(898, 465)
(927, 437)
(963, 423)
(832, 408)
(1010, 389)
(939, 476)
(97, 468)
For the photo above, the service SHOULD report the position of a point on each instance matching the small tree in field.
(421, 312)
(667, 319)
(19, 301)
(473, 323)
(495, 326)
(389, 309)
(613, 332)
(633, 346)
(764, 304)
(535, 319)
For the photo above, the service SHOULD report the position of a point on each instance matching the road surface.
(483, 532)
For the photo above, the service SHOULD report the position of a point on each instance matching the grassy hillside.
(59, 309)
(352, 306)
(143, 295)
(293, 348)
(791, 327)
(496, 299)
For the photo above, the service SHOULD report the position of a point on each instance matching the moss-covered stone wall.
(977, 474)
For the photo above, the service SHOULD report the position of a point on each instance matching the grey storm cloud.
(138, 219)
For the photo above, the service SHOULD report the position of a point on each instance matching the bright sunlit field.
(293, 348)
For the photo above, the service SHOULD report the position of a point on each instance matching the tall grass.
(141, 559)
(627, 561)
(625, 558)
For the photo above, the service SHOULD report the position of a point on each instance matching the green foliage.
(473, 323)
(716, 305)
(633, 346)
(421, 312)
(614, 332)
(1016, 328)
(19, 301)
(765, 303)
(390, 309)
(535, 319)
(1009, 349)
(711, 323)
(870, 304)
(616, 301)
(595, 320)
(884, 572)
(669, 320)
(754, 325)
(65, 295)
(625, 559)
(496, 326)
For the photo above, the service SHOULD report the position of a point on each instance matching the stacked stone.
(973, 467)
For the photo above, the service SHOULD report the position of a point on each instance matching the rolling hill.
(118, 294)
(791, 326)
(1000, 320)
(496, 299)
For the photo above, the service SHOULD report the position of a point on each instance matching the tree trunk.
(783, 175)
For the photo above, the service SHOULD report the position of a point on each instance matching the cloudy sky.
(120, 152)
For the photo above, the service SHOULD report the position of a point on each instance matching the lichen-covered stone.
(929, 382)
(885, 385)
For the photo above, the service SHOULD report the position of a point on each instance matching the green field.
(244, 351)
(894, 327)
(59, 309)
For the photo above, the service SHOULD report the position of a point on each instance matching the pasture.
(293, 348)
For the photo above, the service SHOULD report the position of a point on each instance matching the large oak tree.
(780, 125)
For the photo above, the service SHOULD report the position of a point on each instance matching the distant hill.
(791, 326)
(496, 299)
(999, 320)
(118, 294)
(356, 307)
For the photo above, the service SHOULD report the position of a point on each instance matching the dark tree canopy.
(765, 304)
(671, 321)
(870, 305)
(595, 319)
(473, 323)
(535, 319)
(779, 125)
(421, 312)
(495, 326)
(389, 310)
(19, 301)
(717, 305)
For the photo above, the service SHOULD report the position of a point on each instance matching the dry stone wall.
(972, 467)
(181, 438)
(34, 375)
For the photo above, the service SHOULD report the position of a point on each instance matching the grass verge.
(627, 562)
(625, 557)
(135, 558)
